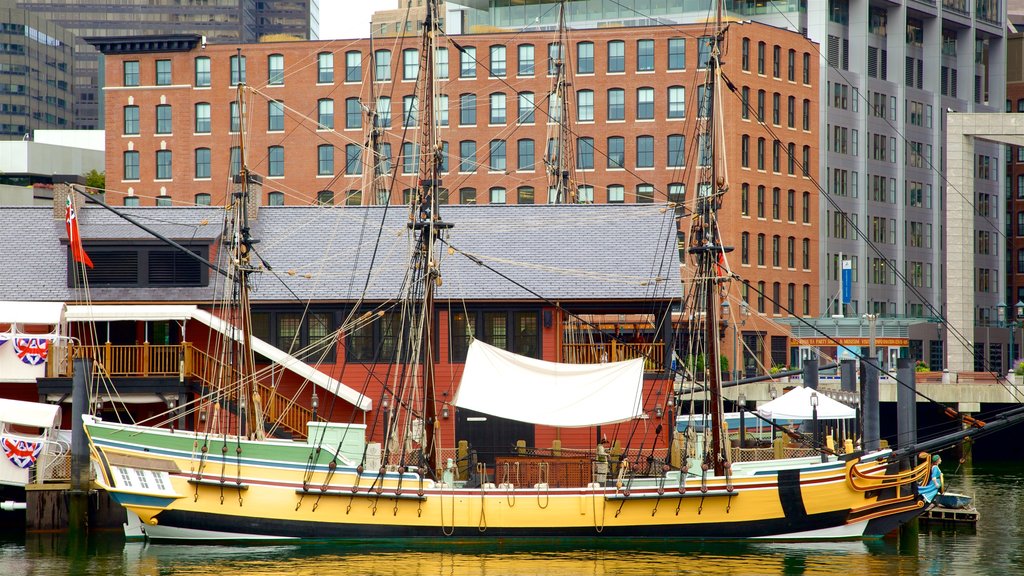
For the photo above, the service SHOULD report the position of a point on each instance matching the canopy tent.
(507, 385)
(796, 405)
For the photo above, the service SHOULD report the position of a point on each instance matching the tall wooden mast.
(706, 243)
(378, 188)
(559, 155)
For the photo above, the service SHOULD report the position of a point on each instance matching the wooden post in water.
(869, 404)
(78, 504)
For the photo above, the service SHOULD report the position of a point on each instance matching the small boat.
(954, 500)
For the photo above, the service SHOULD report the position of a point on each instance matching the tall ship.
(229, 480)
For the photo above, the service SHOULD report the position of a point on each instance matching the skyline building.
(220, 21)
(36, 74)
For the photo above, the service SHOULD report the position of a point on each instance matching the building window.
(202, 118)
(616, 56)
(382, 65)
(409, 111)
(526, 62)
(325, 68)
(353, 66)
(745, 199)
(325, 160)
(676, 150)
(275, 69)
(616, 194)
(644, 55)
(791, 206)
(677, 193)
(131, 73)
(703, 102)
(410, 63)
(237, 64)
(644, 193)
(163, 72)
(163, 119)
(234, 161)
(275, 116)
(235, 119)
(760, 201)
(275, 161)
(441, 63)
(554, 57)
(325, 198)
(526, 108)
(496, 156)
(760, 58)
(467, 110)
(760, 153)
(467, 156)
(163, 164)
(202, 199)
(791, 66)
(467, 62)
(805, 256)
(776, 61)
(745, 151)
(616, 104)
(645, 151)
(806, 208)
(441, 110)
(525, 155)
(497, 108)
(645, 103)
(202, 72)
(585, 153)
(525, 195)
(353, 159)
(745, 55)
(353, 113)
(585, 58)
(498, 67)
(202, 163)
(585, 106)
(676, 53)
(131, 165)
(410, 158)
(497, 195)
(131, 120)
(676, 102)
(383, 118)
(745, 248)
(275, 199)
(616, 152)
(760, 249)
(325, 114)
(745, 103)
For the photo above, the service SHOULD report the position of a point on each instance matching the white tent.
(503, 384)
(796, 405)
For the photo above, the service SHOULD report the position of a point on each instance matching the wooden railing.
(149, 360)
(652, 353)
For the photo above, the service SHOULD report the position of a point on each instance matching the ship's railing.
(588, 353)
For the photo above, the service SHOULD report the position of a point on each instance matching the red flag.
(74, 237)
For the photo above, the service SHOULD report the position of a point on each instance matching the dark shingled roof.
(560, 252)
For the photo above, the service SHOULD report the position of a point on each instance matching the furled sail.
(507, 385)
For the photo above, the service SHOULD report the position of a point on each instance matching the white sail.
(507, 385)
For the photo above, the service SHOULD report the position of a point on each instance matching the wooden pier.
(938, 514)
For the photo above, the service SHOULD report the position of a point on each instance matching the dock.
(938, 514)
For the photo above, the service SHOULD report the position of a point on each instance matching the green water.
(994, 547)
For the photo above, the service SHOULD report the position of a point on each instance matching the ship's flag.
(74, 237)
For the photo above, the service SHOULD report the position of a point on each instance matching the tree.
(96, 180)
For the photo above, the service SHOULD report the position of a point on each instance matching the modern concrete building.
(30, 168)
(220, 21)
(36, 74)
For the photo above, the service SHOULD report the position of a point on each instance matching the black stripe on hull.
(244, 527)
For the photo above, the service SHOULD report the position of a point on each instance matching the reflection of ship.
(239, 485)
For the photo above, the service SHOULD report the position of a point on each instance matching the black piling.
(78, 509)
(869, 405)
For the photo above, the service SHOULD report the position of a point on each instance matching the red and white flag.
(74, 236)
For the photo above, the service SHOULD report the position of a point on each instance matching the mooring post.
(78, 506)
(869, 405)
(811, 371)
(906, 408)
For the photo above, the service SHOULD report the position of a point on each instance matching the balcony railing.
(652, 353)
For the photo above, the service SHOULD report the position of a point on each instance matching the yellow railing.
(652, 353)
(148, 360)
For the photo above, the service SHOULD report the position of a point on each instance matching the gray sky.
(349, 18)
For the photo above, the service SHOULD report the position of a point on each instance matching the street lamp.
(316, 404)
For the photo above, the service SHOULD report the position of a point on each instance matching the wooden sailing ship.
(239, 485)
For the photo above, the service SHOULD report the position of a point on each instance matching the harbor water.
(994, 546)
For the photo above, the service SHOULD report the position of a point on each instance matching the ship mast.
(426, 222)
(559, 155)
(375, 141)
(240, 248)
(706, 243)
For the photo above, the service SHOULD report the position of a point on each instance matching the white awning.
(506, 385)
(17, 312)
(29, 413)
(140, 312)
(796, 405)
(111, 313)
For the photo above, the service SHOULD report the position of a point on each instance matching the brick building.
(173, 138)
